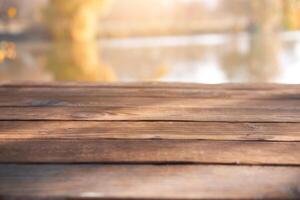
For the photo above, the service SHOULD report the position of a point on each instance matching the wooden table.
(149, 141)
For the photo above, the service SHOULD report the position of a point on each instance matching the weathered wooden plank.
(285, 93)
(77, 130)
(150, 123)
(165, 85)
(150, 181)
(52, 101)
(148, 151)
(152, 113)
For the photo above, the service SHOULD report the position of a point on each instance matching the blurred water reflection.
(211, 58)
(205, 41)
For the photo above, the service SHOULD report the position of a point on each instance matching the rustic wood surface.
(151, 181)
(149, 141)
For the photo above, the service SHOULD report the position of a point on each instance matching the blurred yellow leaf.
(11, 12)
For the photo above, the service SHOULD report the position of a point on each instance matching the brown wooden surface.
(154, 103)
(81, 140)
(150, 151)
(95, 130)
(150, 181)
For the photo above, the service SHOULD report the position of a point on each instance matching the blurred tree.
(263, 63)
(260, 63)
(291, 14)
(75, 19)
(73, 26)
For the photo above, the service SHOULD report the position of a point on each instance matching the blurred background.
(204, 41)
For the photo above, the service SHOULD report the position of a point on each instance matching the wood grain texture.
(152, 113)
(81, 101)
(88, 140)
(150, 181)
(157, 102)
(77, 130)
(149, 151)
(166, 85)
(138, 142)
(197, 92)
